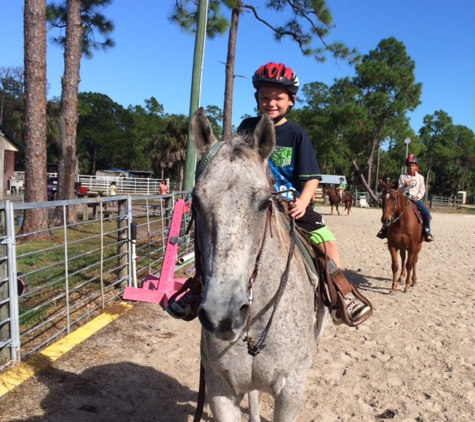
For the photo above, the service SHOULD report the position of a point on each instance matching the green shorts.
(313, 223)
(321, 235)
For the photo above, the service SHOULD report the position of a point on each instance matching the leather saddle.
(416, 211)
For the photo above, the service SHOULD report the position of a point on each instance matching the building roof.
(331, 179)
(7, 134)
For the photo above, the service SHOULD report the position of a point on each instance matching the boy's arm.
(297, 208)
(308, 192)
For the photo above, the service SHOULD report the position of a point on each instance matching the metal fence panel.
(61, 276)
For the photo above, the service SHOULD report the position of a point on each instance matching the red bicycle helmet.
(411, 160)
(276, 74)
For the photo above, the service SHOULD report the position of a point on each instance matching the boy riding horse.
(413, 184)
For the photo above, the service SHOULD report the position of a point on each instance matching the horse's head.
(231, 200)
(392, 202)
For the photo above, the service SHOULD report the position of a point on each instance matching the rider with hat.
(412, 183)
(342, 187)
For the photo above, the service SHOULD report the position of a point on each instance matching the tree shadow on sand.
(121, 392)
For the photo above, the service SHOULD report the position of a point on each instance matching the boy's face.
(273, 101)
(411, 168)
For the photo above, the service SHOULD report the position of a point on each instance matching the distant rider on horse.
(412, 183)
(341, 188)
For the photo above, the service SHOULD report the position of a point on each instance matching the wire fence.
(54, 280)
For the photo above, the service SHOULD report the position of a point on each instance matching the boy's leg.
(425, 220)
(332, 251)
(324, 239)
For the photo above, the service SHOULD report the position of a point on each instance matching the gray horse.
(243, 248)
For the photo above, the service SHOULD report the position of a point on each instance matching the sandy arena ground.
(413, 360)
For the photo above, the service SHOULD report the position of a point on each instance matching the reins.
(254, 347)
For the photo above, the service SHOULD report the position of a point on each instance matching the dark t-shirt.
(294, 161)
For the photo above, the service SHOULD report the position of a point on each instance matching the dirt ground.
(413, 360)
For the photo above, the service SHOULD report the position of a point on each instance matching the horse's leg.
(336, 205)
(290, 399)
(224, 408)
(224, 405)
(254, 406)
(394, 268)
(402, 276)
(414, 273)
(409, 267)
(411, 280)
(414, 268)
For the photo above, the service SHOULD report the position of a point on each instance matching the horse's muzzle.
(226, 327)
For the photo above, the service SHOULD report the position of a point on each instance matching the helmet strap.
(278, 119)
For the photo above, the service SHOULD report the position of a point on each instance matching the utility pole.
(407, 141)
(190, 160)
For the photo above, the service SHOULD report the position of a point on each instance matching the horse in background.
(404, 233)
(347, 199)
(256, 287)
(335, 200)
(333, 197)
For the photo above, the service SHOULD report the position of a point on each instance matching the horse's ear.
(381, 182)
(202, 134)
(264, 137)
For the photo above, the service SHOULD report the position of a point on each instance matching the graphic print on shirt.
(281, 167)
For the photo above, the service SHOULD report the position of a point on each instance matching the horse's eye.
(263, 204)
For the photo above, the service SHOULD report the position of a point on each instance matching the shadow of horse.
(120, 392)
(361, 281)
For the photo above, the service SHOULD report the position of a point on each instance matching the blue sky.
(154, 58)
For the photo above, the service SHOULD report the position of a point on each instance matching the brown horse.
(348, 201)
(333, 197)
(404, 234)
(335, 200)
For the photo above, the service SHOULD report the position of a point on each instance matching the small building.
(9, 145)
(331, 180)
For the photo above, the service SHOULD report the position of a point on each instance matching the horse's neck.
(276, 254)
(405, 210)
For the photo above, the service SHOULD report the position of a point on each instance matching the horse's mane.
(242, 146)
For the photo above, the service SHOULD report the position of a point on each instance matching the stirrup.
(194, 285)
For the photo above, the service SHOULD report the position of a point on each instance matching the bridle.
(393, 214)
(254, 347)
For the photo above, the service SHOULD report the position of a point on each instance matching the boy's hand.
(297, 208)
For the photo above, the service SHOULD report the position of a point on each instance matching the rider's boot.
(427, 235)
(355, 311)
